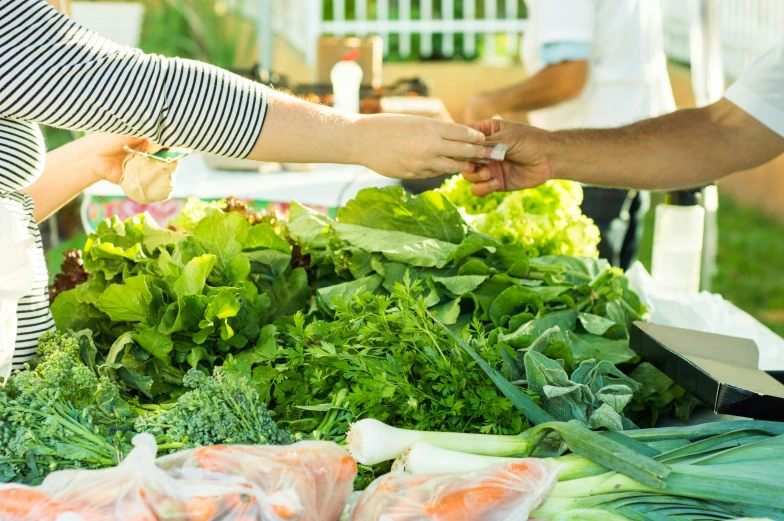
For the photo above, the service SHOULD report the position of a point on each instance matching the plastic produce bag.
(308, 481)
(17, 277)
(709, 313)
(136, 490)
(505, 492)
(22, 503)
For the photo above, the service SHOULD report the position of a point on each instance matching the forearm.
(297, 131)
(551, 86)
(69, 170)
(684, 149)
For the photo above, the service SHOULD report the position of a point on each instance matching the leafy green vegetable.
(221, 409)
(546, 220)
(393, 363)
(61, 414)
(188, 300)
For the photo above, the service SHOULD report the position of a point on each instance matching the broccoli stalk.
(60, 415)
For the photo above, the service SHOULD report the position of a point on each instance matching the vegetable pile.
(198, 332)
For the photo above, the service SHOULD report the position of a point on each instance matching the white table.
(327, 187)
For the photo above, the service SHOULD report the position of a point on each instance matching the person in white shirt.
(593, 63)
(685, 149)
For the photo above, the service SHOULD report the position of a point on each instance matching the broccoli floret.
(221, 409)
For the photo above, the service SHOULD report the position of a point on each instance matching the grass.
(751, 250)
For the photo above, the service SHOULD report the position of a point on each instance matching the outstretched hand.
(526, 164)
(408, 147)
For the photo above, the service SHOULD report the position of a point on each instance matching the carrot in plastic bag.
(19, 503)
(307, 481)
(139, 490)
(505, 492)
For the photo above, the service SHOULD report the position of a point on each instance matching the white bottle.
(17, 276)
(346, 79)
(677, 243)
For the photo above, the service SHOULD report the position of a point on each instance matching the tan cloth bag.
(147, 180)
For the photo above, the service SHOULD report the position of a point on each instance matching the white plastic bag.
(17, 277)
(709, 313)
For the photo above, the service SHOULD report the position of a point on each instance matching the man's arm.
(551, 86)
(684, 149)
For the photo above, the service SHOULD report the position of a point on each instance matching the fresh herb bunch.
(546, 220)
(388, 360)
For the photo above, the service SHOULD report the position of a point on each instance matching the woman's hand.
(108, 153)
(408, 147)
(76, 166)
(527, 164)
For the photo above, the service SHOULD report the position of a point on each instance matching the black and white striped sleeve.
(53, 71)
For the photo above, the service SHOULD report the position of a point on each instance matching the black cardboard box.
(721, 371)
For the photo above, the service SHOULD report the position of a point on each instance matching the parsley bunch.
(382, 357)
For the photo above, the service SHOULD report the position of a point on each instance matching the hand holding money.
(493, 152)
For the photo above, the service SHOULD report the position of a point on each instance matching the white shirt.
(760, 90)
(628, 78)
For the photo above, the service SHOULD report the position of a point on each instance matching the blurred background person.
(592, 63)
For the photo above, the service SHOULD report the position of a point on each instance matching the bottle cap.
(691, 197)
(351, 56)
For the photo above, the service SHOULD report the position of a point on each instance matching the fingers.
(461, 151)
(486, 188)
(479, 176)
(462, 134)
(445, 165)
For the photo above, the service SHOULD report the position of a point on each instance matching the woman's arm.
(60, 74)
(76, 166)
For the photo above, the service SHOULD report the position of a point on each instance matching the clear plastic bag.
(138, 490)
(307, 481)
(22, 503)
(505, 492)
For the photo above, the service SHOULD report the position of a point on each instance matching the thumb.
(488, 127)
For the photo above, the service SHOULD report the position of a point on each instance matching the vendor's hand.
(526, 164)
(408, 147)
(108, 154)
(478, 108)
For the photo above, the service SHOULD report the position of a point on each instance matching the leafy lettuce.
(546, 220)
(163, 302)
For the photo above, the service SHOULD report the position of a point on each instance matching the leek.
(372, 442)
(730, 475)
(424, 458)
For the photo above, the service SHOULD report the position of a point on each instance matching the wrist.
(362, 133)
(551, 145)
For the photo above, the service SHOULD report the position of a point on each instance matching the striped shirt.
(53, 71)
